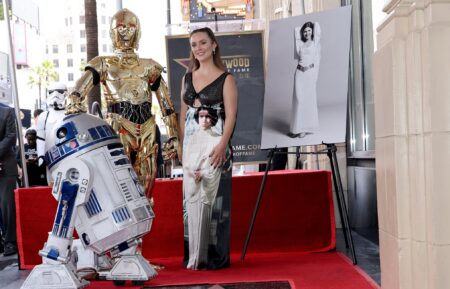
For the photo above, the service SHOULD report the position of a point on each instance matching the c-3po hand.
(169, 149)
(74, 105)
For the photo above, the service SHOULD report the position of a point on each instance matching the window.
(67, 21)
(104, 48)
(46, 49)
(82, 19)
(56, 63)
(55, 48)
(361, 137)
(103, 19)
(70, 20)
(83, 47)
(70, 76)
(69, 62)
(104, 34)
(69, 48)
(83, 33)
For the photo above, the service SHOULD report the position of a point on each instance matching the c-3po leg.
(142, 150)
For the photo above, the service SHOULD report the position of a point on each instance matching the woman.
(207, 197)
(305, 116)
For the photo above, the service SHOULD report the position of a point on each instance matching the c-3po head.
(125, 30)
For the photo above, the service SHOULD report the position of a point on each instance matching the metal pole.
(169, 19)
(255, 211)
(12, 67)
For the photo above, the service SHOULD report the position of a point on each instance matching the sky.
(152, 16)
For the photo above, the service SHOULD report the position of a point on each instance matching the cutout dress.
(206, 203)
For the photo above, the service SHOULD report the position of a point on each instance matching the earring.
(214, 51)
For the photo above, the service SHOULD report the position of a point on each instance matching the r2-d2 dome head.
(84, 150)
(56, 96)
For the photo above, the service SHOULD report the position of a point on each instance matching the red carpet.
(303, 271)
(296, 215)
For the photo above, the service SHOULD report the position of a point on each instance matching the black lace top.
(209, 96)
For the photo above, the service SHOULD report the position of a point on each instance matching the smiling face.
(307, 33)
(202, 46)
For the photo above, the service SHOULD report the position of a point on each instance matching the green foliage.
(41, 76)
(2, 14)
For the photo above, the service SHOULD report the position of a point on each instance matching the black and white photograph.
(305, 100)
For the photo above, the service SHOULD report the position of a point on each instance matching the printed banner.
(20, 43)
(242, 54)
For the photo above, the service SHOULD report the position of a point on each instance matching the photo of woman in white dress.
(305, 116)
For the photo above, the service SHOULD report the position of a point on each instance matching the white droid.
(100, 196)
(56, 103)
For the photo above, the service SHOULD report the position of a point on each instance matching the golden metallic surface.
(125, 30)
(171, 148)
(139, 143)
(127, 82)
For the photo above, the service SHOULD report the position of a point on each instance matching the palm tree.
(91, 26)
(41, 76)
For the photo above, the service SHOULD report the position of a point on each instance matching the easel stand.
(330, 151)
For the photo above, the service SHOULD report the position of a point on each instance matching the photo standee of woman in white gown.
(201, 181)
(305, 114)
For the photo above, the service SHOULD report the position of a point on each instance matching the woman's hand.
(217, 156)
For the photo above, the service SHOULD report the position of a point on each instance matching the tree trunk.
(40, 96)
(90, 12)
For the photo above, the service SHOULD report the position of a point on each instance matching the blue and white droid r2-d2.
(100, 196)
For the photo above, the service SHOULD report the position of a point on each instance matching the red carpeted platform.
(296, 214)
(302, 271)
(295, 219)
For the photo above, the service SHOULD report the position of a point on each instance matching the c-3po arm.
(76, 102)
(170, 120)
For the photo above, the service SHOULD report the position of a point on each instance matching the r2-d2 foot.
(100, 196)
(128, 264)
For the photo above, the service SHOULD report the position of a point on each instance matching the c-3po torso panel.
(127, 85)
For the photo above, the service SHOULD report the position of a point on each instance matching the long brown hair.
(195, 64)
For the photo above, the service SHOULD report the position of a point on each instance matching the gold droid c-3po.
(128, 82)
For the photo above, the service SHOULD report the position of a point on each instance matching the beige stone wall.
(412, 115)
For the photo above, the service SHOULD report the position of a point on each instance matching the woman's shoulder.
(187, 76)
(228, 77)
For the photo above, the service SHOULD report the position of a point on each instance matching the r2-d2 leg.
(57, 270)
